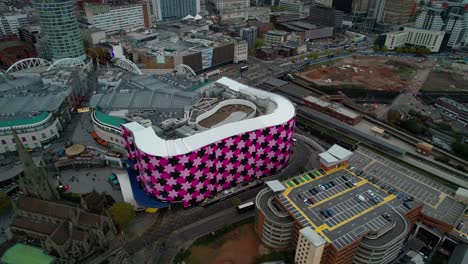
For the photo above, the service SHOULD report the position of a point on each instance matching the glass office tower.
(59, 26)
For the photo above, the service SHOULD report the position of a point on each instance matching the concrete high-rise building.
(326, 16)
(310, 246)
(451, 18)
(392, 12)
(361, 5)
(112, 19)
(177, 9)
(430, 18)
(457, 27)
(59, 27)
(10, 24)
(430, 39)
(250, 35)
(267, 2)
(231, 4)
(292, 5)
(325, 3)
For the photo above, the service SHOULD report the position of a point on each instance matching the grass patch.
(216, 239)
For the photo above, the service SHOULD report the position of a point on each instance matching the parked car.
(360, 198)
(324, 214)
(359, 173)
(332, 183)
(371, 193)
(408, 199)
(329, 212)
(300, 197)
(400, 195)
(311, 200)
(349, 184)
(344, 177)
(387, 217)
(296, 181)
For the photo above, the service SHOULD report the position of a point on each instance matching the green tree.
(393, 117)
(259, 43)
(461, 149)
(315, 55)
(412, 50)
(399, 49)
(384, 49)
(5, 202)
(122, 213)
(414, 126)
(376, 47)
(236, 201)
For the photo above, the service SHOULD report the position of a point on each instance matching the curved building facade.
(34, 132)
(274, 226)
(60, 27)
(383, 246)
(193, 168)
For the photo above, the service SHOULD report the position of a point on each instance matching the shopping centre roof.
(280, 111)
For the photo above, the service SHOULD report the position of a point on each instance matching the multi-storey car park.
(340, 217)
(232, 134)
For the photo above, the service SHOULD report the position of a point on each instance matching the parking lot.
(340, 211)
(437, 198)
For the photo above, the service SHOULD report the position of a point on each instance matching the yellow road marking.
(359, 183)
(386, 199)
(308, 219)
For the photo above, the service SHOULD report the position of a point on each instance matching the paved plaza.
(87, 180)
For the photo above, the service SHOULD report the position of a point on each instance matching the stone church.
(66, 230)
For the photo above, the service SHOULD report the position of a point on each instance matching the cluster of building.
(68, 232)
(340, 215)
(38, 106)
(439, 26)
(453, 109)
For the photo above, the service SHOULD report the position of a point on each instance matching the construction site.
(366, 72)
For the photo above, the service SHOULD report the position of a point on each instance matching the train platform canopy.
(276, 186)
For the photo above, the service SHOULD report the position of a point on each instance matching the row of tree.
(405, 49)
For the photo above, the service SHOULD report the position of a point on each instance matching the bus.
(245, 207)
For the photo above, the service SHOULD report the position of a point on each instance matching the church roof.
(38, 206)
(36, 226)
(61, 234)
(91, 220)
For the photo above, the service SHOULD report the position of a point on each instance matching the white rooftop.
(328, 157)
(339, 152)
(313, 237)
(147, 140)
(276, 186)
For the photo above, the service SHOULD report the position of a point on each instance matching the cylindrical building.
(274, 226)
(59, 26)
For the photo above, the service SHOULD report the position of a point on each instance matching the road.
(171, 222)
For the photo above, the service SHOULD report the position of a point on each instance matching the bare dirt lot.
(371, 72)
(240, 246)
(445, 81)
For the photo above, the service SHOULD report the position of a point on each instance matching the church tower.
(34, 182)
